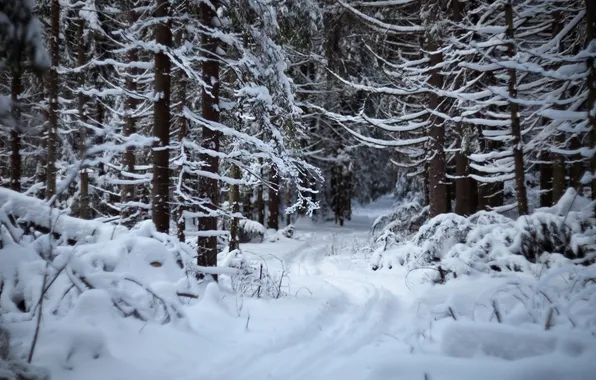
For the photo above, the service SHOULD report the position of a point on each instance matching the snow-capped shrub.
(250, 231)
(13, 369)
(253, 278)
(488, 241)
(405, 218)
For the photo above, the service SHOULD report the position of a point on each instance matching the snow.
(336, 319)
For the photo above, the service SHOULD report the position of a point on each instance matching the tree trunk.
(182, 126)
(84, 210)
(463, 193)
(128, 191)
(51, 138)
(247, 204)
(591, 62)
(577, 165)
(288, 203)
(209, 187)
(15, 135)
(558, 176)
(273, 219)
(260, 202)
(518, 150)
(546, 180)
(160, 207)
(559, 180)
(235, 205)
(436, 171)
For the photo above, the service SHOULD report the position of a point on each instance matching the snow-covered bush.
(405, 218)
(146, 274)
(253, 278)
(12, 368)
(488, 241)
(250, 231)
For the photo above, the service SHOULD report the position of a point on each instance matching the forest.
(364, 189)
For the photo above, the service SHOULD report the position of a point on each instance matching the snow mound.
(488, 241)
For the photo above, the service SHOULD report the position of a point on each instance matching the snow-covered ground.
(339, 320)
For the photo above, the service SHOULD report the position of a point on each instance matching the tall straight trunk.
(436, 171)
(273, 218)
(591, 62)
(51, 138)
(160, 207)
(234, 196)
(577, 165)
(260, 202)
(288, 203)
(209, 187)
(128, 191)
(559, 184)
(247, 204)
(559, 175)
(463, 183)
(235, 205)
(348, 211)
(15, 135)
(464, 204)
(182, 125)
(84, 210)
(546, 179)
(518, 150)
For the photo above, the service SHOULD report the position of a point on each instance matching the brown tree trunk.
(577, 165)
(15, 135)
(160, 207)
(260, 202)
(247, 204)
(209, 187)
(546, 180)
(235, 205)
(51, 138)
(559, 180)
(273, 219)
(436, 173)
(518, 150)
(182, 125)
(288, 203)
(591, 39)
(558, 171)
(463, 183)
(128, 191)
(84, 210)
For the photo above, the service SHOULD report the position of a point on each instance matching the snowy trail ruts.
(353, 313)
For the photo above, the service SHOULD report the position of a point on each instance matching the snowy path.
(339, 321)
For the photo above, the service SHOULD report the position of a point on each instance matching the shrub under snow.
(488, 241)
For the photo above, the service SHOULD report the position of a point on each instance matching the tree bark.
(84, 210)
(436, 173)
(15, 135)
(260, 202)
(182, 125)
(51, 138)
(591, 62)
(235, 206)
(128, 191)
(273, 218)
(518, 150)
(288, 203)
(559, 183)
(559, 175)
(546, 179)
(577, 165)
(463, 183)
(161, 129)
(209, 187)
